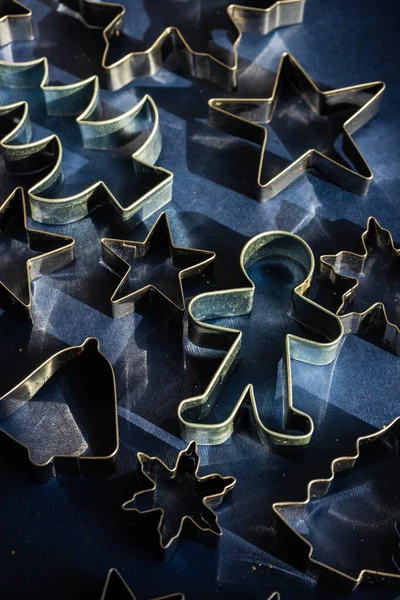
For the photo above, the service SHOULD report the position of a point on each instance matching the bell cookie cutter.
(22, 393)
(241, 117)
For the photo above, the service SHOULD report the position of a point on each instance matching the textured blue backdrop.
(58, 540)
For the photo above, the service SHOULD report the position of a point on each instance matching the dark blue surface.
(59, 540)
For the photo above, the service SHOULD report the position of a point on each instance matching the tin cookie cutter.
(241, 117)
(201, 65)
(15, 23)
(204, 494)
(119, 255)
(24, 157)
(116, 588)
(89, 356)
(52, 252)
(302, 548)
(345, 270)
(239, 301)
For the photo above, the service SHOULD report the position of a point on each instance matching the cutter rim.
(114, 572)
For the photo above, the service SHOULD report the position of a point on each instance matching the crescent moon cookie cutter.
(239, 301)
(346, 269)
(302, 549)
(45, 462)
(202, 65)
(242, 117)
(24, 157)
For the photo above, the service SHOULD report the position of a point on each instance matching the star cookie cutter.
(335, 267)
(302, 548)
(116, 588)
(203, 492)
(53, 252)
(241, 117)
(239, 301)
(89, 355)
(15, 23)
(24, 157)
(201, 65)
(115, 253)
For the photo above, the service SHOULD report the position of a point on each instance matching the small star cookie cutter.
(24, 157)
(201, 65)
(241, 117)
(46, 468)
(239, 301)
(53, 253)
(115, 253)
(15, 23)
(204, 493)
(337, 267)
(303, 550)
(116, 588)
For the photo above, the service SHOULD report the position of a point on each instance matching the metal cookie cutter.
(15, 22)
(345, 270)
(116, 588)
(239, 301)
(24, 157)
(203, 65)
(303, 549)
(200, 494)
(51, 252)
(241, 117)
(121, 255)
(93, 361)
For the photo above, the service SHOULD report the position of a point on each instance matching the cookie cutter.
(22, 393)
(116, 254)
(206, 492)
(201, 65)
(16, 23)
(241, 117)
(302, 548)
(239, 301)
(53, 252)
(24, 157)
(116, 588)
(335, 267)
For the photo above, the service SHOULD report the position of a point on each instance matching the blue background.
(60, 539)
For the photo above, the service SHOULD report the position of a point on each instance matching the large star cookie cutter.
(241, 117)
